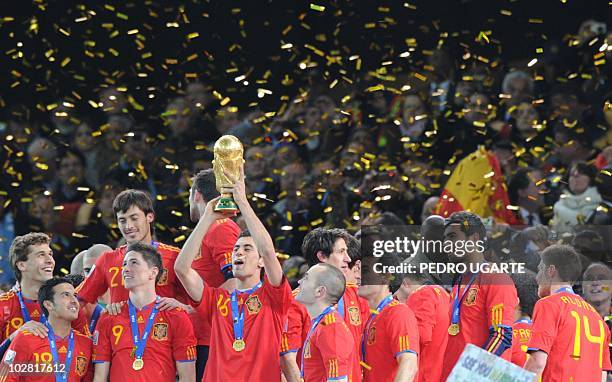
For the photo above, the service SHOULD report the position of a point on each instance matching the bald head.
(92, 254)
(76, 267)
(330, 277)
(433, 228)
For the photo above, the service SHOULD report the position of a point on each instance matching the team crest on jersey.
(253, 304)
(81, 366)
(354, 315)
(163, 279)
(160, 331)
(470, 298)
(372, 336)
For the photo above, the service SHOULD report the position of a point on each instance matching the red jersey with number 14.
(28, 349)
(573, 335)
(106, 274)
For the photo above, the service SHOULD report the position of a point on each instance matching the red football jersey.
(11, 318)
(490, 301)
(265, 312)
(431, 304)
(573, 335)
(356, 312)
(171, 340)
(392, 332)
(521, 334)
(330, 352)
(214, 258)
(106, 274)
(27, 348)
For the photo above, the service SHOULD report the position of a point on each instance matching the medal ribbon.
(565, 289)
(61, 376)
(238, 312)
(94, 318)
(341, 307)
(24, 311)
(364, 339)
(315, 323)
(458, 300)
(141, 343)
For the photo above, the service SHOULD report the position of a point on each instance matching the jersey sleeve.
(606, 365)
(183, 339)
(4, 309)
(297, 317)
(222, 246)
(501, 301)
(17, 353)
(401, 327)
(102, 350)
(280, 296)
(207, 303)
(546, 323)
(95, 283)
(335, 343)
(424, 309)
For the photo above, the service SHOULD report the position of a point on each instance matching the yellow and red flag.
(477, 185)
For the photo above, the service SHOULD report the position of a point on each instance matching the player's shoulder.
(496, 280)
(80, 336)
(226, 224)
(167, 248)
(7, 297)
(330, 319)
(295, 292)
(176, 312)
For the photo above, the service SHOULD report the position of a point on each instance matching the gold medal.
(138, 364)
(453, 330)
(239, 345)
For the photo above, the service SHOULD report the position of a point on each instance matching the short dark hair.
(244, 233)
(584, 168)
(321, 239)
(603, 182)
(20, 248)
(565, 259)
(205, 183)
(75, 279)
(150, 255)
(469, 222)
(353, 246)
(520, 181)
(46, 293)
(131, 197)
(527, 290)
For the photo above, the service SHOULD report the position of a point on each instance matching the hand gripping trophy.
(228, 153)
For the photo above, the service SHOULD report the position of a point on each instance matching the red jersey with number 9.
(573, 335)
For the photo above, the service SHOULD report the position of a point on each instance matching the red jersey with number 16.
(265, 312)
(106, 274)
(573, 335)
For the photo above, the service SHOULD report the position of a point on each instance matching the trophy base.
(226, 205)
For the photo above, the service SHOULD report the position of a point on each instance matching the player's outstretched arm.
(290, 368)
(263, 241)
(407, 368)
(186, 371)
(536, 363)
(191, 280)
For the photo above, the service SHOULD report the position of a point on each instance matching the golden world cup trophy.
(228, 159)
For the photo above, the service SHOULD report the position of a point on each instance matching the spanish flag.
(477, 185)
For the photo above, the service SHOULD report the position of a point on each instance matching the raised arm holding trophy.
(228, 157)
